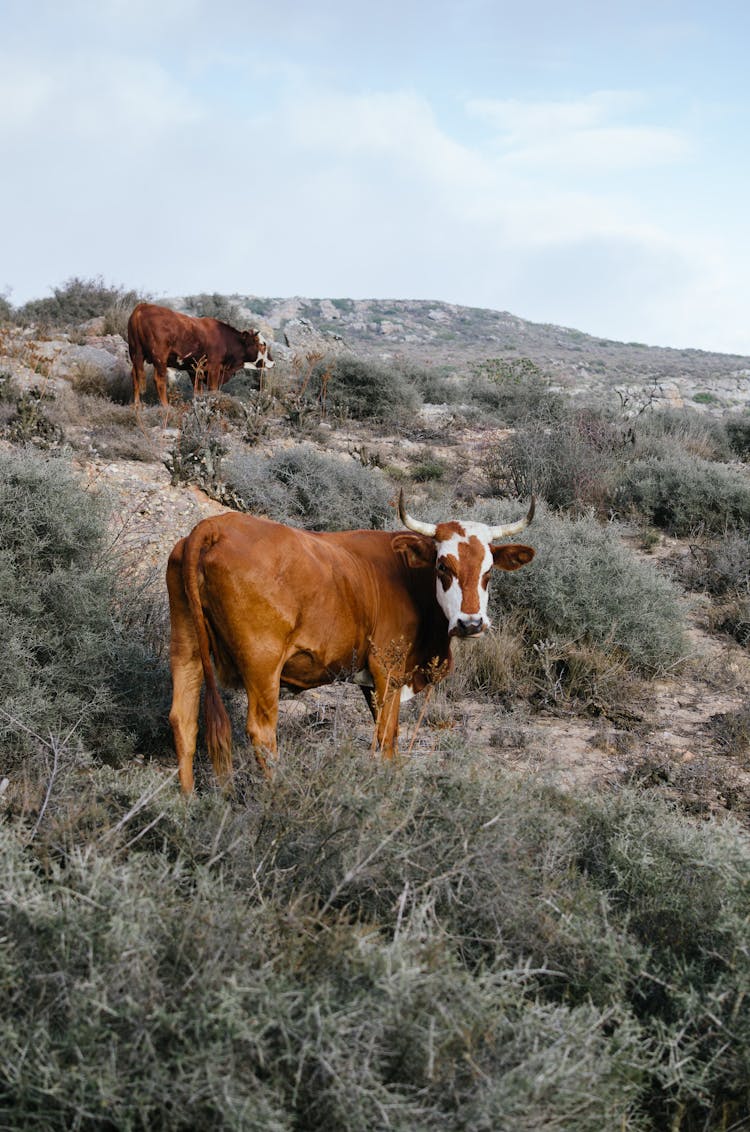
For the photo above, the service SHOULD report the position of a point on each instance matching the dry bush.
(77, 300)
(681, 430)
(444, 946)
(89, 379)
(309, 488)
(683, 494)
(573, 464)
(80, 676)
(346, 387)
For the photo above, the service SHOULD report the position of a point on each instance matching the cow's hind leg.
(187, 676)
(262, 713)
(160, 381)
(139, 376)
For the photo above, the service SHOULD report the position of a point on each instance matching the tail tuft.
(218, 734)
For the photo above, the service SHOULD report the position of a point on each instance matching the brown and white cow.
(274, 606)
(202, 346)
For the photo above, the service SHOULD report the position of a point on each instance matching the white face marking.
(262, 358)
(450, 600)
(407, 693)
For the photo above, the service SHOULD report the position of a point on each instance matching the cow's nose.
(470, 626)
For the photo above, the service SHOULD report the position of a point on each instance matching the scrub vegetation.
(443, 943)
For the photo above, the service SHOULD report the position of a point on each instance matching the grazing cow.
(276, 606)
(204, 347)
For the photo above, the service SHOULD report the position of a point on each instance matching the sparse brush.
(514, 390)
(344, 386)
(683, 494)
(448, 945)
(585, 587)
(76, 301)
(89, 378)
(731, 730)
(681, 430)
(31, 423)
(310, 489)
(572, 464)
(737, 428)
(75, 676)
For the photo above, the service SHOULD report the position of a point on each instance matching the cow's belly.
(306, 669)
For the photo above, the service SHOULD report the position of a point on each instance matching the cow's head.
(257, 350)
(463, 557)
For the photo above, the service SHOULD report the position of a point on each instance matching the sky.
(580, 163)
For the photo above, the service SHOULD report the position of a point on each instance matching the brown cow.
(202, 346)
(276, 606)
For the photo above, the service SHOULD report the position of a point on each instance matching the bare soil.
(670, 745)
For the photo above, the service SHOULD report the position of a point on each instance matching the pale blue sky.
(580, 163)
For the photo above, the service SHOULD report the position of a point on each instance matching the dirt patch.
(672, 748)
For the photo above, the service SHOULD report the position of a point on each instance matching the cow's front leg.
(385, 702)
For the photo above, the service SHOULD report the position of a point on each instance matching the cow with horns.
(271, 606)
(211, 351)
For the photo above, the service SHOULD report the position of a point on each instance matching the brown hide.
(275, 606)
(207, 348)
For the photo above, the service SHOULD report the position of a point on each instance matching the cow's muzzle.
(470, 627)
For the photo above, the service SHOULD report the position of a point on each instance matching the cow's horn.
(414, 524)
(514, 528)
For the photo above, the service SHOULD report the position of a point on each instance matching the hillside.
(445, 334)
(537, 917)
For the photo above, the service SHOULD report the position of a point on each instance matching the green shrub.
(683, 494)
(705, 398)
(586, 586)
(77, 677)
(738, 432)
(573, 465)
(78, 300)
(310, 489)
(427, 466)
(445, 947)
(346, 386)
(515, 390)
(217, 306)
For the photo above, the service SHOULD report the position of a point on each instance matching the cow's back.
(322, 598)
(159, 332)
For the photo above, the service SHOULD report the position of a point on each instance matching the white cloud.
(92, 97)
(523, 119)
(579, 134)
(141, 173)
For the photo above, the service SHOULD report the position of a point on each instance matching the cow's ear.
(512, 556)
(418, 550)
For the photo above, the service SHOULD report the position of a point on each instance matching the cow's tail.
(218, 727)
(135, 349)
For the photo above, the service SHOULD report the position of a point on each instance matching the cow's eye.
(443, 570)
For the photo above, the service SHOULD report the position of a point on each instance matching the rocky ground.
(673, 743)
(439, 333)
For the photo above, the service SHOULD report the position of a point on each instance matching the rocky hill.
(439, 333)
